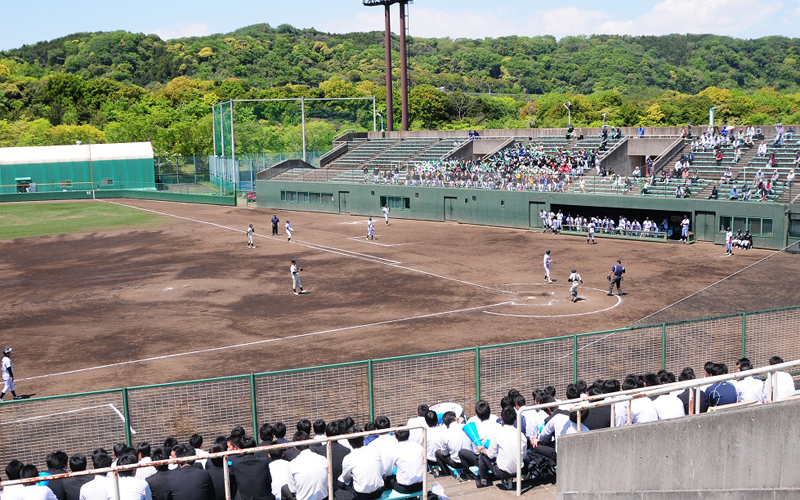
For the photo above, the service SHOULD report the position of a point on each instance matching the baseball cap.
(294, 260)
(6, 350)
(574, 270)
(619, 261)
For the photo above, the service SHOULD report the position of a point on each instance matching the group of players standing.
(556, 221)
(614, 277)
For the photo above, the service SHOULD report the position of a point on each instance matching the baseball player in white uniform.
(250, 231)
(386, 213)
(590, 234)
(728, 241)
(296, 278)
(685, 228)
(370, 229)
(575, 280)
(546, 263)
(8, 374)
(289, 230)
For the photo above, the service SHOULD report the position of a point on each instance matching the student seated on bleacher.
(407, 462)
(487, 426)
(308, 474)
(668, 405)
(734, 193)
(455, 440)
(748, 389)
(642, 410)
(782, 382)
(721, 393)
(435, 440)
(362, 473)
(503, 454)
(558, 423)
(688, 374)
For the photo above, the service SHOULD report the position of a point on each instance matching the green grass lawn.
(38, 219)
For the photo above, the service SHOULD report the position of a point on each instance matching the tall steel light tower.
(403, 64)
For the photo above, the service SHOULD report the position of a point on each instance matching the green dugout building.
(80, 167)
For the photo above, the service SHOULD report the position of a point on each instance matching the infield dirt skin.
(74, 302)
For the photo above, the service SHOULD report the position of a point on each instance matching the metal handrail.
(114, 470)
(631, 394)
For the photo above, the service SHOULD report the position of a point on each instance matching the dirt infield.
(189, 300)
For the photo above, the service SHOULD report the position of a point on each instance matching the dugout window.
(327, 197)
(66, 184)
(106, 182)
(396, 202)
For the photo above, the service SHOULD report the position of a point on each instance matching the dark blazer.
(57, 486)
(684, 396)
(598, 418)
(290, 454)
(217, 475)
(72, 486)
(338, 452)
(159, 484)
(253, 480)
(189, 483)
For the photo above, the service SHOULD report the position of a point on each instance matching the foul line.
(323, 248)
(264, 341)
(67, 412)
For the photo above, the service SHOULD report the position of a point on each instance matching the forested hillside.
(120, 86)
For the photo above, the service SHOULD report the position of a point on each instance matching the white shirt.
(385, 444)
(455, 440)
(288, 227)
(435, 441)
(750, 389)
(363, 468)
(145, 472)
(668, 406)
(486, 430)
(408, 460)
(560, 425)
(279, 470)
(643, 410)
(783, 386)
(293, 269)
(507, 447)
(415, 435)
(308, 476)
(97, 489)
(35, 492)
(546, 260)
(6, 365)
(533, 421)
(132, 488)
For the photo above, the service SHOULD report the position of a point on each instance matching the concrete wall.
(745, 453)
(517, 209)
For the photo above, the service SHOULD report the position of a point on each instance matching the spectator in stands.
(72, 485)
(558, 423)
(668, 405)
(253, 479)
(214, 468)
(143, 453)
(600, 417)
(33, 491)
(714, 194)
(362, 472)
(267, 435)
(131, 487)
(721, 393)
(762, 150)
(385, 445)
(688, 374)
(407, 461)
(99, 487)
(308, 474)
(435, 441)
(503, 454)
(455, 440)
(338, 450)
(487, 427)
(280, 432)
(641, 410)
(748, 389)
(57, 464)
(279, 471)
(196, 442)
(416, 435)
(790, 178)
(319, 430)
(640, 132)
(782, 382)
(188, 482)
(734, 193)
(13, 473)
(158, 481)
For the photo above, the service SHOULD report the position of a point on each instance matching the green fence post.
(574, 359)
(127, 413)
(477, 374)
(744, 334)
(253, 406)
(663, 346)
(371, 391)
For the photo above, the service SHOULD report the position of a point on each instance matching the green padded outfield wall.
(520, 209)
(77, 167)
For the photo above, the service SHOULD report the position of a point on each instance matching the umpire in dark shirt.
(615, 276)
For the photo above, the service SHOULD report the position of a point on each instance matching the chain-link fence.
(78, 423)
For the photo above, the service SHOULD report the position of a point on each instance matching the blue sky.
(30, 22)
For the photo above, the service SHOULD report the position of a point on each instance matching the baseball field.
(105, 294)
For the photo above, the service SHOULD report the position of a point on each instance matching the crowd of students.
(364, 468)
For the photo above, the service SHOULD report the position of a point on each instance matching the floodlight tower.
(403, 63)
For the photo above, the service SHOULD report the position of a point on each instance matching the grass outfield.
(24, 220)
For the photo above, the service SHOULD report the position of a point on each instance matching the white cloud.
(569, 21)
(721, 17)
(183, 30)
